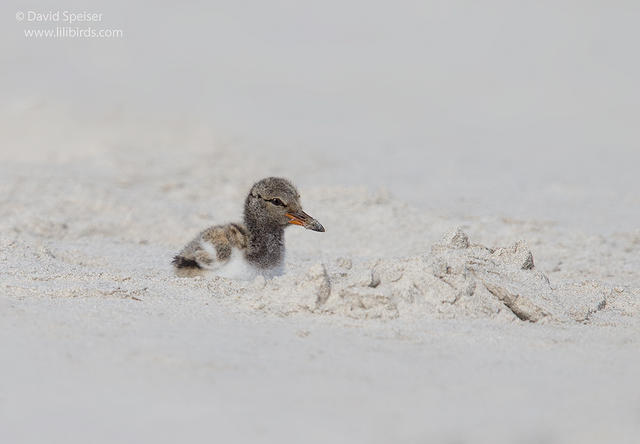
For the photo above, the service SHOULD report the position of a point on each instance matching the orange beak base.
(294, 220)
(304, 220)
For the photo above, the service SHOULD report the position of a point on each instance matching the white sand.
(478, 280)
(376, 333)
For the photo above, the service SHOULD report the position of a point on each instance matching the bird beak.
(304, 220)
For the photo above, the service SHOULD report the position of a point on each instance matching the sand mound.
(456, 279)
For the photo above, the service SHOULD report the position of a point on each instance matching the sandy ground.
(478, 280)
(102, 343)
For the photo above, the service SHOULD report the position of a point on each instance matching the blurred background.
(526, 110)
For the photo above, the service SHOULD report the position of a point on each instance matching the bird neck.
(266, 244)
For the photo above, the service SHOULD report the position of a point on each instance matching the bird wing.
(212, 248)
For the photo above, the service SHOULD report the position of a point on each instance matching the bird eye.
(277, 201)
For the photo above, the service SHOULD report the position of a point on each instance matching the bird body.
(243, 251)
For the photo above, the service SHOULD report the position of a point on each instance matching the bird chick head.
(275, 201)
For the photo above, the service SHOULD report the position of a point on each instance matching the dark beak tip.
(316, 226)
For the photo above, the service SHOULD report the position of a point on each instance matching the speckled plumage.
(255, 247)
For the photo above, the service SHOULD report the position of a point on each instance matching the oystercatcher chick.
(243, 251)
